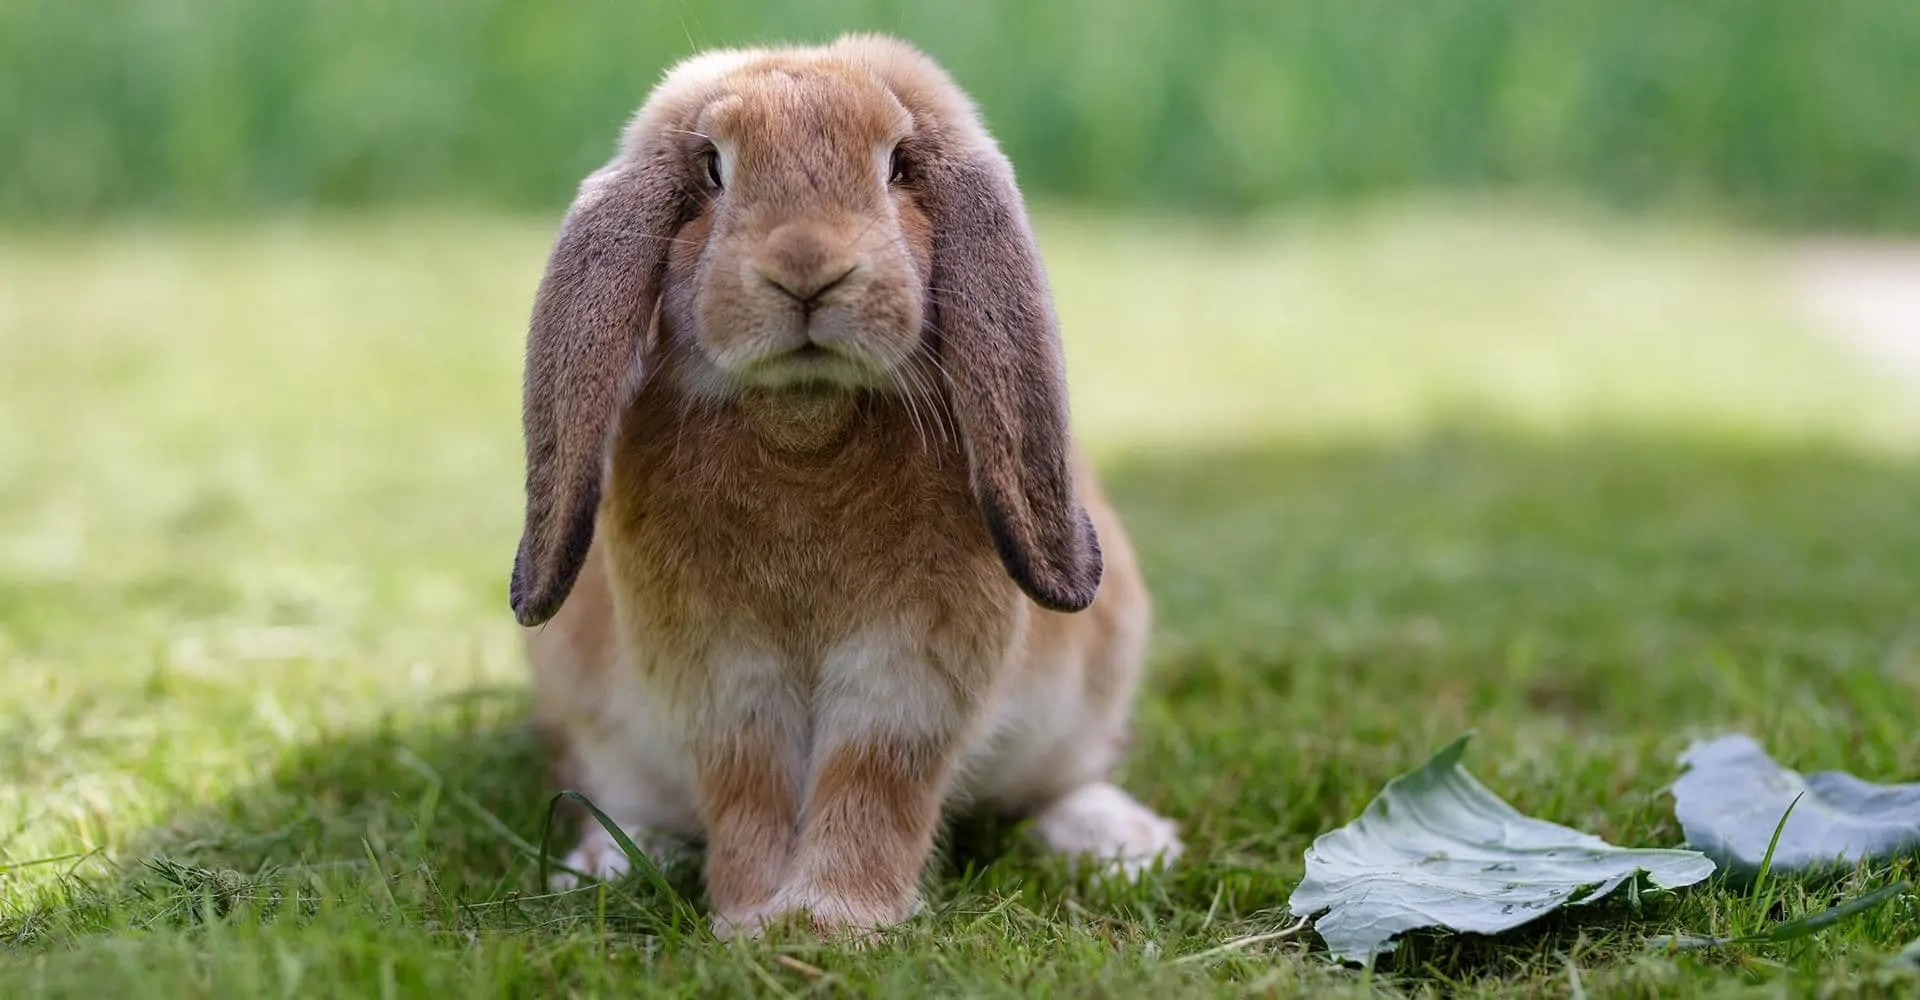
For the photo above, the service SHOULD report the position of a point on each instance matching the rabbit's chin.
(804, 418)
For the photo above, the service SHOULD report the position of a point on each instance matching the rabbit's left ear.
(1000, 344)
(584, 365)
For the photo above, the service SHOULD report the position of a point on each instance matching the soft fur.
(819, 555)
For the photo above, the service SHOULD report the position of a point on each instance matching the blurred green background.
(1793, 112)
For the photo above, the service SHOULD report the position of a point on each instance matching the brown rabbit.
(819, 556)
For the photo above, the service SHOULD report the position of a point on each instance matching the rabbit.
(810, 560)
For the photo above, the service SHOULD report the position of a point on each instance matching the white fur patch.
(880, 684)
(594, 187)
(825, 910)
(708, 66)
(599, 857)
(1103, 823)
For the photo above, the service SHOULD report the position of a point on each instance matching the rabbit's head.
(833, 219)
(804, 264)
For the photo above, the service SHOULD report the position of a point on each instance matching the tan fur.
(818, 553)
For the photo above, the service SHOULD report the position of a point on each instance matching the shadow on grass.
(1327, 617)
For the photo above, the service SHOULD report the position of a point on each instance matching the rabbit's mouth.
(812, 366)
(811, 355)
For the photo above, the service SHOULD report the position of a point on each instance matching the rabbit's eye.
(897, 166)
(713, 167)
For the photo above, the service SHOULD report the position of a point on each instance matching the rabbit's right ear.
(584, 365)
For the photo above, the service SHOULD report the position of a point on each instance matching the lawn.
(1587, 486)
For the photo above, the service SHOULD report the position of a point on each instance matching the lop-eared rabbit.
(810, 557)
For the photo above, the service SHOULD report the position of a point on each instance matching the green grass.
(1587, 487)
(1797, 112)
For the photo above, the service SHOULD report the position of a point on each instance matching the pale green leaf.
(1437, 849)
(1733, 795)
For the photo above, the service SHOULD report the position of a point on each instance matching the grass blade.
(417, 764)
(1815, 923)
(14, 866)
(1792, 930)
(1773, 844)
(641, 863)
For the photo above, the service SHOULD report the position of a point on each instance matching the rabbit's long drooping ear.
(1000, 344)
(584, 365)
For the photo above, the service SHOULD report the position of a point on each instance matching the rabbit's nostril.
(807, 290)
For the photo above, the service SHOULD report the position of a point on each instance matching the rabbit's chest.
(800, 548)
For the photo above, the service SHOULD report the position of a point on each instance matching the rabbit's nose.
(803, 264)
(808, 289)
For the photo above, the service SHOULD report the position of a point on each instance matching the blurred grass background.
(1789, 112)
